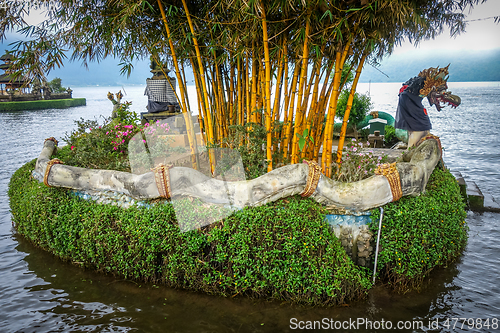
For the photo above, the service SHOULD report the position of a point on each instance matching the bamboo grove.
(276, 64)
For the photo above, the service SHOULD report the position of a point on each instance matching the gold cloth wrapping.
(389, 171)
(49, 166)
(162, 179)
(312, 178)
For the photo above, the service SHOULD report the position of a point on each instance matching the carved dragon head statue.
(432, 83)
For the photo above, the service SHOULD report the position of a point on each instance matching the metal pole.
(378, 240)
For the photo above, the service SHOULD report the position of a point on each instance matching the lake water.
(40, 293)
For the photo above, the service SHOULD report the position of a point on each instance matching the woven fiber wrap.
(389, 171)
(49, 166)
(312, 178)
(162, 179)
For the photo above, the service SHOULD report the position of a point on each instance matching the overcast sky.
(479, 35)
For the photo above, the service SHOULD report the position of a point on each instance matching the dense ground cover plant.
(283, 250)
(421, 233)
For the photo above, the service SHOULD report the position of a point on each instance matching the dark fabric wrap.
(158, 106)
(410, 114)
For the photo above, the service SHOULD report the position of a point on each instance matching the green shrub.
(360, 107)
(390, 136)
(283, 250)
(421, 233)
(101, 146)
(55, 86)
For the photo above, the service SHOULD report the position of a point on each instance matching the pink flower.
(72, 147)
(114, 148)
(123, 140)
(90, 129)
(143, 140)
(107, 133)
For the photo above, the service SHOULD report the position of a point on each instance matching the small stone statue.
(116, 103)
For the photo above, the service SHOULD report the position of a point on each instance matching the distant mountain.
(467, 65)
(104, 73)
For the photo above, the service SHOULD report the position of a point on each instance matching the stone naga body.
(412, 174)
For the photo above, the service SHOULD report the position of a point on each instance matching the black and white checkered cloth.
(160, 91)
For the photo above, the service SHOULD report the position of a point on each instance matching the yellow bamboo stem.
(303, 77)
(247, 89)
(231, 95)
(202, 76)
(348, 110)
(267, 93)
(254, 84)
(187, 113)
(328, 136)
(320, 113)
(238, 87)
(288, 132)
(285, 89)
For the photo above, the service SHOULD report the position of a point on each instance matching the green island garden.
(283, 250)
(270, 78)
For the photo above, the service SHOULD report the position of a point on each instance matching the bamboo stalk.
(303, 77)
(202, 76)
(247, 88)
(238, 87)
(231, 94)
(348, 110)
(290, 108)
(327, 140)
(186, 112)
(285, 89)
(316, 129)
(267, 65)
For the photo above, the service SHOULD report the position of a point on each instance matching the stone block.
(199, 139)
(376, 141)
(490, 204)
(461, 183)
(179, 122)
(474, 196)
(176, 140)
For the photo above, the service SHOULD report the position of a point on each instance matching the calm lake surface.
(40, 293)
